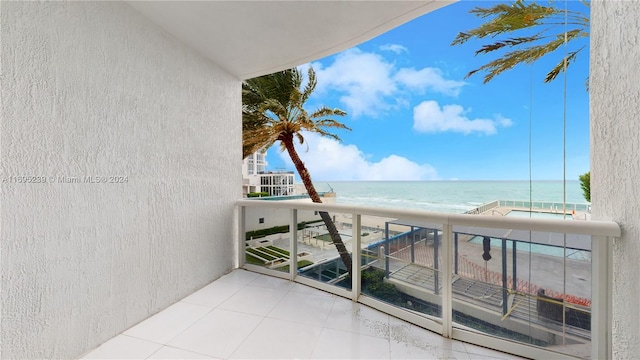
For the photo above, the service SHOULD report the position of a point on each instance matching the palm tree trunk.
(313, 194)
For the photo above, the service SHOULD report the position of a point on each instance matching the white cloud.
(504, 122)
(428, 116)
(371, 85)
(428, 79)
(363, 78)
(396, 48)
(328, 159)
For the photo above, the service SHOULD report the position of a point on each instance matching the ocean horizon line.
(435, 181)
(450, 196)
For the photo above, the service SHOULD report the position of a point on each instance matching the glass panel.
(529, 287)
(316, 249)
(267, 238)
(401, 264)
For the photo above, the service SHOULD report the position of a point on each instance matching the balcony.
(246, 315)
(541, 293)
(150, 91)
(433, 296)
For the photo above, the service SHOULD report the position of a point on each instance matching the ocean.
(448, 196)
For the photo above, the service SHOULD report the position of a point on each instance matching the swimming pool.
(536, 248)
(537, 215)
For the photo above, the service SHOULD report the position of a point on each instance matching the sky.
(414, 116)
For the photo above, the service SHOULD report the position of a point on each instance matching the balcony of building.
(423, 290)
(247, 315)
(120, 142)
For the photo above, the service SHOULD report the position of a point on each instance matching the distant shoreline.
(450, 196)
(322, 182)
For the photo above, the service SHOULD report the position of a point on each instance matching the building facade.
(255, 163)
(277, 183)
(255, 177)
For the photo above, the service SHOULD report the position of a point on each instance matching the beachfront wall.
(258, 219)
(93, 89)
(615, 146)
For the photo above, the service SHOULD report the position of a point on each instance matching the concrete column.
(615, 161)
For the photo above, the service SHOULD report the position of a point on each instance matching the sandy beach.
(539, 270)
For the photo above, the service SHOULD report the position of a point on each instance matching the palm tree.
(273, 111)
(255, 92)
(547, 23)
(585, 185)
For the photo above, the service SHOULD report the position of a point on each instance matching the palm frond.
(330, 123)
(527, 55)
(311, 85)
(560, 67)
(273, 110)
(506, 43)
(506, 19)
(326, 111)
(257, 139)
(522, 17)
(324, 133)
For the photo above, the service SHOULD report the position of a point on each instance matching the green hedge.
(261, 254)
(255, 234)
(301, 264)
(253, 260)
(268, 253)
(280, 251)
(269, 231)
(373, 284)
(256, 261)
(304, 224)
(257, 194)
(324, 237)
(271, 252)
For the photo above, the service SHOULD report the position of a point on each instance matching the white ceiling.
(254, 38)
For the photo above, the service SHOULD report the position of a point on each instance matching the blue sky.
(414, 116)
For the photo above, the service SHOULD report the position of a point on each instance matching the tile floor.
(245, 315)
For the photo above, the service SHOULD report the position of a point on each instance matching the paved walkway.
(541, 271)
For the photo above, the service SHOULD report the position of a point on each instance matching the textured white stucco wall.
(94, 89)
(615, 155)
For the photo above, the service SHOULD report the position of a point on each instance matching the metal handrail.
(590, 227)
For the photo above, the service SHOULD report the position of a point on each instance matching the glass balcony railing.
(553, 206)
(533, 287)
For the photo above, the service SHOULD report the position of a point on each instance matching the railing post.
(436, 266)
(413, 247)
(356, 256)
(447, 285)
(505, 306)
(600, 298)
(455, 253)
(514, 261)
(242, 235)
(386, 249)
(293, 245)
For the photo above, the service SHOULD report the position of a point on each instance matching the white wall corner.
(138, 138)
(615, 148)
